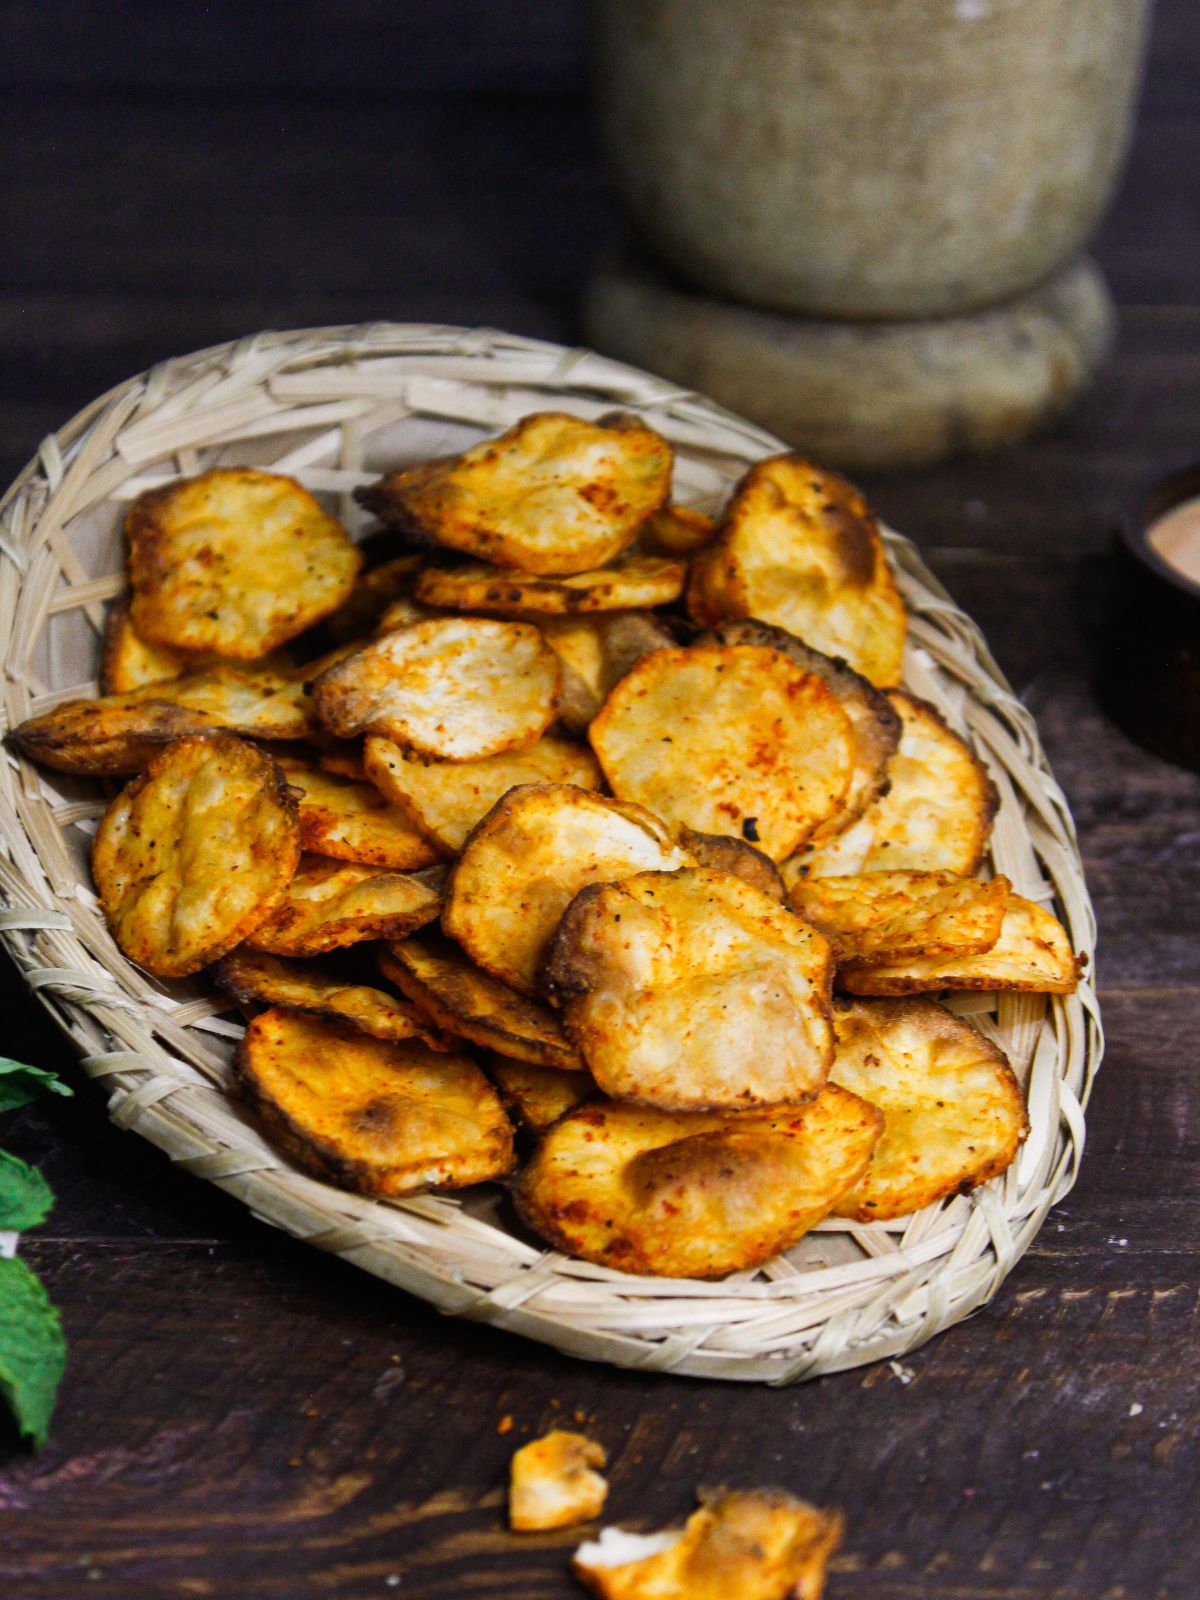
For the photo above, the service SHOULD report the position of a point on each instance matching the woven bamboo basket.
(333, 407)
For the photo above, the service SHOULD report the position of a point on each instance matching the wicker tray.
(333, 406)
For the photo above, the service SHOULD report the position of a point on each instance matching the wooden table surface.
(244, 1417)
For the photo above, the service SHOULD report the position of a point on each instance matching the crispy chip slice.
(693, 1194)
(874, 722)
(457, 687)
(883, 916)
(252, 977)
(537, 1096)
(553, 1482)
(936, 816)
(596, 652)
(234, 561)
(726, 854)
(799, 547)
(353, 822)
(954, 1115)
(744, 1544)
(676, 531)
(374, 592)
(1033, 953)
(735, 740)
(470, 1003)
(403, 613)
(195, 854)
(329, 904)
(633, 583)
(120, 734)
(446, 799)
(554, 494)
(129, 662)
(527, 860)
(691, 991)
(373, 1115)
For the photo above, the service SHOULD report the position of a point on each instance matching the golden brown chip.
(353, 822)
(953, 1112)
(883, 916)
(676, 531)
(554, 494)
(373, 593)
(936, 816)
(596, 652)
(458, 687)
(745, 1544)
(526, 861)
(693, 1194)
(1033, 953)
(234, 561)
(128, 662)
(372, 1115)
(537, 1096)
(459, 997)
(726, 854)
(120, 734)
(633, 583)
(329, 904)
(799, 547)
(446, 799)
(732, 740)
(403, 613)
(553, 1482)
(192, 856)
(252, 977)
(691, 991)
(875, 725)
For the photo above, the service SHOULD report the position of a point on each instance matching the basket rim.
(145, 1086)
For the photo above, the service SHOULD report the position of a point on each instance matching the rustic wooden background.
(243, 1417)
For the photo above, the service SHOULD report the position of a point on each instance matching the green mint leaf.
(33, 1351)
(21, 1083)
(25, 1197)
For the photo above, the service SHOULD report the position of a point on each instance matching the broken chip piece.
(554, 494)
(234, 561)
(554, 1482)
(254, 978)
(692, 990)
(372, 1115)
(632, 583)
(538, 1096)
(954, 1114)
(693, 1194)
(596, 652)
(352, 821)
(192, 856)
(883, 916)
(330, 904)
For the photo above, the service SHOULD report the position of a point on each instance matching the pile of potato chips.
(576, 823)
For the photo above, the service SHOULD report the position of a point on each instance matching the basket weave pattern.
(333, 407)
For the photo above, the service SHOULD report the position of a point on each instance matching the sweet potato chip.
(128, 662)
(726, 854)
(253, 978)
(470, 1003)
(372, 1115)
(1032, 953)
(874, 723)
(633, 583)
(234, 561)
(192, 856)
(799, 547)
(954, 1115)
(936, 816)
(735, 740)
(554, 494)
(329, 904)
(527, 860)
(691, 991)
(553, 1482)
(676, 531)
(537, 1096)
(884, 916)
(693, 1194)
(457, 687)
(353, 822)
(596, 652)
(445, 799)
(120, 734)
(752, 1544)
